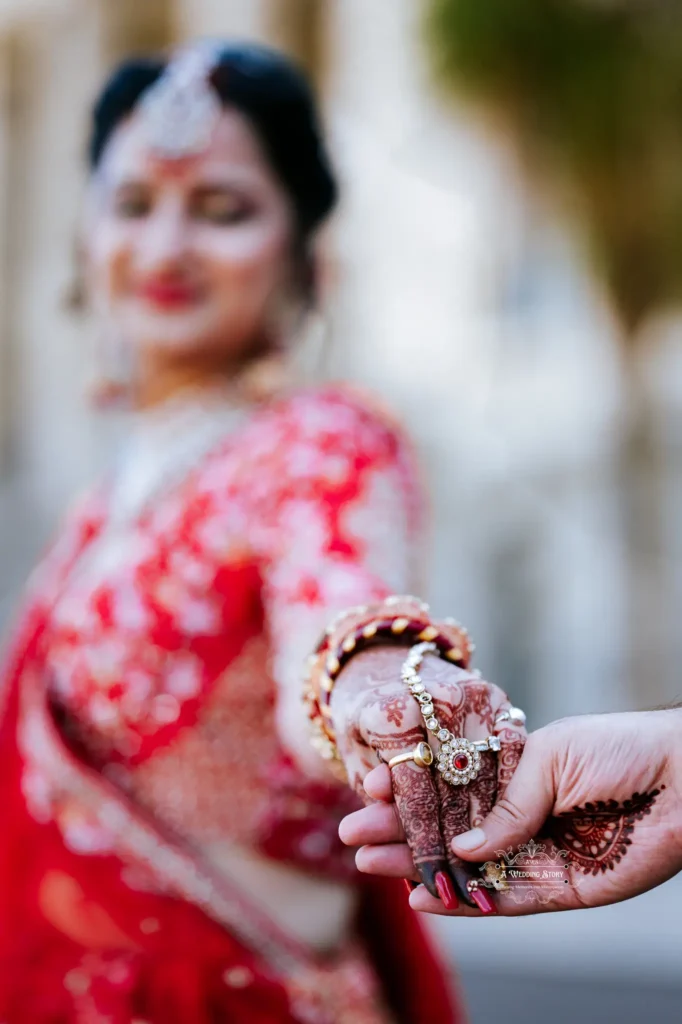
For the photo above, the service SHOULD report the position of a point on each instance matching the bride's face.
(189, 256)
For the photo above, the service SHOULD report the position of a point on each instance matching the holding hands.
(453, 782)
(452, 740)
(606, 789)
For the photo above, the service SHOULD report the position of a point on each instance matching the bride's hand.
(376, 718)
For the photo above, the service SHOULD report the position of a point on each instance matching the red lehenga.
(140, 722)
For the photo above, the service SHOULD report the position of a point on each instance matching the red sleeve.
(336, 518)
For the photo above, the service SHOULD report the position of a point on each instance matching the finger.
(378, 784)
(470, 716)
(375, 824)
(507, 906)
(415, 795)
(519, 814)
(417, 801)
(393, 860)
(512, 736)
(508, 759)
(483, 790)
(422, 900)
(454, 819)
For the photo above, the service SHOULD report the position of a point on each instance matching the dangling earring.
(112, 383)
(270, 373)
(312, 349)
(111, 380)
(265, 378)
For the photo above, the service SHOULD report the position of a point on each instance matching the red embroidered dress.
(146, 704)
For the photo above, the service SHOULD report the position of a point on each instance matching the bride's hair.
(275, 96)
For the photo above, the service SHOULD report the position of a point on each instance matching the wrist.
(371, 668)
(401, 621)
(671, 720)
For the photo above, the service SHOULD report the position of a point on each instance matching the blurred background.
(506, 270)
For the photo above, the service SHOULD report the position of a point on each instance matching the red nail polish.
(446, 891)
(484, 901)
(410, 886)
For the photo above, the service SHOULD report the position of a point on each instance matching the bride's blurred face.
(189, 256)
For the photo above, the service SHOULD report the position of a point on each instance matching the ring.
(492, 743)
(459, 761)
(422, 755)
(514, 715)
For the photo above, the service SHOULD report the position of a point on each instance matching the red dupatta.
(139, 928)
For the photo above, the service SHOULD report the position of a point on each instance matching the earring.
(112, 383)
(265, 378)
(268, 374)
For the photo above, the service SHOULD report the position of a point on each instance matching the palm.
(614, 810)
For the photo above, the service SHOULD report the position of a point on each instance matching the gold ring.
(422, 755)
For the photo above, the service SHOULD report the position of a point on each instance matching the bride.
(169, 848)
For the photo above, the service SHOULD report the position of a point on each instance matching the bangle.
(403, 621)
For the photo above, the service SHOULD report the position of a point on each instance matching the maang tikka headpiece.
(181, 109)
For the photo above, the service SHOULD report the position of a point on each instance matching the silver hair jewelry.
(181, 110)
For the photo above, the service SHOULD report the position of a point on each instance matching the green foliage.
(591, 91)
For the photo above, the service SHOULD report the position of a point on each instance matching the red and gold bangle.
(403, 621)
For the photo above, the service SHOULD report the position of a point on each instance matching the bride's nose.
(165, 241)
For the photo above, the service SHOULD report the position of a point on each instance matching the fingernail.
(469, 840)
(446, 891)
(410, 886)
(463, 873)
(484, 901)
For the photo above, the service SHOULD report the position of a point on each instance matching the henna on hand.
(596, 837)
(508, 757)
(454, 819)
(376, 717)
(418, 797)
(483, 790)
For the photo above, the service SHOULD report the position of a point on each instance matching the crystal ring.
(422, 755)
(514, 715)
(492, 743)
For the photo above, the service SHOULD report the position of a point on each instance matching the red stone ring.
(459, 759)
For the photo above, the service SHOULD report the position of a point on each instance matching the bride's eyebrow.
(221, 188)
(132, 182)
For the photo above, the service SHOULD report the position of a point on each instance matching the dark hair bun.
(270, 91)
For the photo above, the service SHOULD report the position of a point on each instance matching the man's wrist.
(672, 719)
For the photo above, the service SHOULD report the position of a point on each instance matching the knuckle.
(550, 738)
(450, 692)
(507, 813)
(498, 698)
(443, 673)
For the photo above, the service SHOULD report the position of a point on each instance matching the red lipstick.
(166, 293)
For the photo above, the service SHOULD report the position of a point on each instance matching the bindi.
(174, 170)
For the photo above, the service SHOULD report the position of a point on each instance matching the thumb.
(520, 813)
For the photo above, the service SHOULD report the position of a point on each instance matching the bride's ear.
(323, 269)
(76, 293)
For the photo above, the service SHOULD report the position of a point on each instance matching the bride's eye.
(132, 203)
(217, 206)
